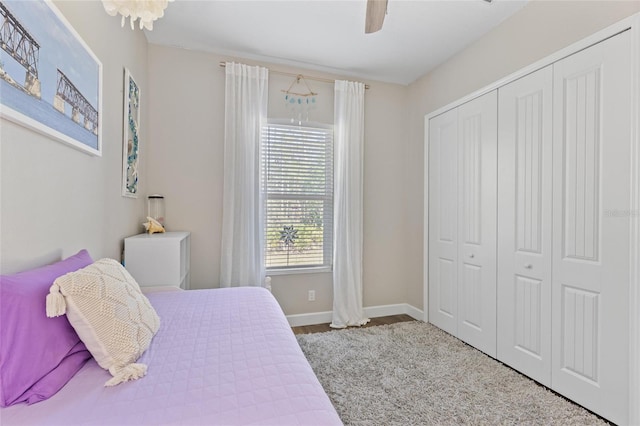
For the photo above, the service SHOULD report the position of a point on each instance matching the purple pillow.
(38, 355)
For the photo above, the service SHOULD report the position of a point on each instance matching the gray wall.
(185, 164)
(538, 30)
(56, 200)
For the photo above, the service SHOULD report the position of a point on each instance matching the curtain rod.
(324, 80)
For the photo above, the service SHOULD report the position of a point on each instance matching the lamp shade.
(146, 11)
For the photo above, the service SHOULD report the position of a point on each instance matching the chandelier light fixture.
(145, 10)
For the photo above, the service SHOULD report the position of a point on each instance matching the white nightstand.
(159, 259)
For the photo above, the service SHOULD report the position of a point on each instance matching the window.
(297, 176)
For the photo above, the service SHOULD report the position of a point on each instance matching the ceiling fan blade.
(376, 10)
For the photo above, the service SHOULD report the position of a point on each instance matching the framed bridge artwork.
(50, 81)
(131, 134)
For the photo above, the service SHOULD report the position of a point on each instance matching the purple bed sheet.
(221, 357)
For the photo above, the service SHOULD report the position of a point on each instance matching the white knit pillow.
(113, 318)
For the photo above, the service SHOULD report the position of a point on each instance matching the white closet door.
(591, 221)
(443, 212)
(524, 224)
(477, 187)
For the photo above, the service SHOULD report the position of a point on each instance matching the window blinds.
(297, 176)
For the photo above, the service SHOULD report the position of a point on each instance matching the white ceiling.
(328, 35)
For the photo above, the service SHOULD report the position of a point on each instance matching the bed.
(221, 357)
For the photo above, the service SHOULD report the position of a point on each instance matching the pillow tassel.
(56, 305)
(124, 374)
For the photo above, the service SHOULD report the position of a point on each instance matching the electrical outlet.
(312, 295)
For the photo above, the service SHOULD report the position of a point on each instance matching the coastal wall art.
(131, 136)
(50, 80)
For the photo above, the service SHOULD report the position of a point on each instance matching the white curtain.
(242, 260)
(347, 239)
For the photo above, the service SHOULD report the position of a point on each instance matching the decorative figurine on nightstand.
(152, 226)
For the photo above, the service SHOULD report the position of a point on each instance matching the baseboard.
(414, 312)
(312, 318)
(384, 310)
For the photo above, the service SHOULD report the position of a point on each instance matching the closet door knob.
(472, 255)
(528, 266)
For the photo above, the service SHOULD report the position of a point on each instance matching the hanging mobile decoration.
(300, 102)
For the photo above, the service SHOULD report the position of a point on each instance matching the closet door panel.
(443, 216)
(524, 224)
(592, 140)
(477, 160)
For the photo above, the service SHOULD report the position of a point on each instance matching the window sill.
(296, 271)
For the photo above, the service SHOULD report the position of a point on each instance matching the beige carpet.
(413, 373)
